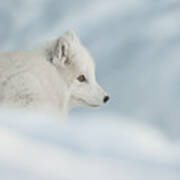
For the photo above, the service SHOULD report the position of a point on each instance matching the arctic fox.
(60, 74)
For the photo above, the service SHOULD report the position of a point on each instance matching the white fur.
(47, 77)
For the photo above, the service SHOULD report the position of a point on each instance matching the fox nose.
(106, 98)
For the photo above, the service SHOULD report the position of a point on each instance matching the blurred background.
(136, 47)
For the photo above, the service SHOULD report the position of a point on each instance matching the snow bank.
(39, 147)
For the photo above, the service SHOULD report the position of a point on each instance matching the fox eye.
(81, 78)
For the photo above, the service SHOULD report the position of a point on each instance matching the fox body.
(59, 74)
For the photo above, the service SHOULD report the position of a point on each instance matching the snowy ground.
(38, 147)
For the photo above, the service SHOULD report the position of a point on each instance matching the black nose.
(106, 98)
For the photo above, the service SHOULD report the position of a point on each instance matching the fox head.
(77, 67)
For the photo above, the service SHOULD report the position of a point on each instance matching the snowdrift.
(40, 147)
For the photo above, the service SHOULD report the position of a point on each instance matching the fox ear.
(59, 53)
(70, 35)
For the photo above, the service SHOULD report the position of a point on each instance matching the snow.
(40, 147)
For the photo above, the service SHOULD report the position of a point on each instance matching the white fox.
(60, 74)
